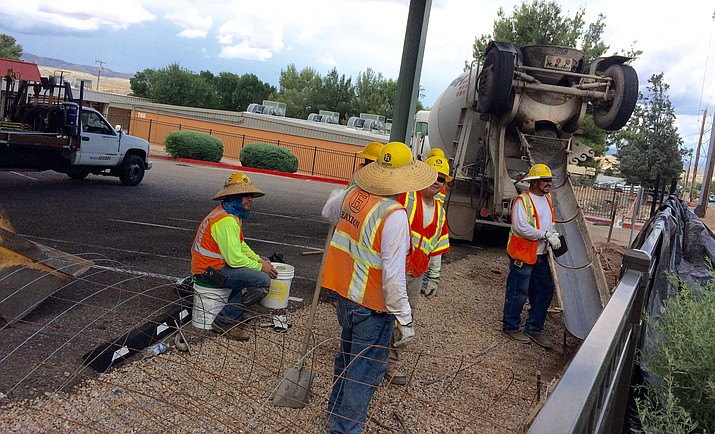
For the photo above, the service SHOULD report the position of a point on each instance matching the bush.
(267, 156)
(680, 394)
(194, 145)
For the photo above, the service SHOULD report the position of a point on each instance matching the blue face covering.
(234, 205)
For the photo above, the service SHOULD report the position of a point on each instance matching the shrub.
(680, 395)
(193, 144)
(267, 156)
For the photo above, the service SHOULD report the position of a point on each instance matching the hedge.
(193, 144)
(268, 156)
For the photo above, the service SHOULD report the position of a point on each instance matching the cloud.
(76, 16)
(245, 51)
(193, 25)
(250, 37)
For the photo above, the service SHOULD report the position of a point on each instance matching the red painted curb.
(252, 169)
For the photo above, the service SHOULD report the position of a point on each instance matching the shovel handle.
(316, 295)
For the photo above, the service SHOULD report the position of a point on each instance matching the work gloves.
(430, 289)
(553, 238)
(407, 332)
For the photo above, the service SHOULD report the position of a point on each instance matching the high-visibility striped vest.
(521, 248)
(427, 241)
(353, 267)
(205, 251)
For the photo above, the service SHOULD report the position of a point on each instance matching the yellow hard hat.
(238, 183)
(439, 164)
(436, 152)
(538, 171)
(371, 151)
(394, 154)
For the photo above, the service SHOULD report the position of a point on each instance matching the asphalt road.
(150, 227)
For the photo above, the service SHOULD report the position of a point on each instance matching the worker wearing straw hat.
(365, 267)
(221, 257)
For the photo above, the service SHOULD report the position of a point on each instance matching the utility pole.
(707, 177)
(697, 157)
(687, 172)
(99, 72)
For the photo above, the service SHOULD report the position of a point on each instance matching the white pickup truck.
(48, 131)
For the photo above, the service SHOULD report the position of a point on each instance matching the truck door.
(100, 143)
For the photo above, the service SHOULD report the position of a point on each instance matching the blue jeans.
(534, 282)
(239, 278)
(360, 364)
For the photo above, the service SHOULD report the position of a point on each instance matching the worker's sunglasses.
(441, 179)
(546, 179)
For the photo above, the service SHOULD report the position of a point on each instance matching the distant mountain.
(66, 66)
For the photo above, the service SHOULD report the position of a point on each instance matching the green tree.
(9, 48)
(541, 22)
(374, 94)
(225, 85)
(179, 86)
(336, 93)
(299, 90)
(141, 83)
(649, 144)
(250, 89)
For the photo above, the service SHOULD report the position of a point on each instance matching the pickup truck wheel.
(494, 82)
(131, 171)
(613, 114)
(78, 174)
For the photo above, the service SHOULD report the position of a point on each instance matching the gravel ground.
(465, 375)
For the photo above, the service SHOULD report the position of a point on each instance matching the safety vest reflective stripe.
(353, 265)
(200, 235)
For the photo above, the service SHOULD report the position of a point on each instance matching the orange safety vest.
(521, 248)
(427, 241)
(353, 266)
(205, 251)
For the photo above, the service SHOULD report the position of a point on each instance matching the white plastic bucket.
(208, 302)
(279, 291)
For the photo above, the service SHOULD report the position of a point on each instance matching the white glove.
(407, 332)
(553, 238)
(432, 286)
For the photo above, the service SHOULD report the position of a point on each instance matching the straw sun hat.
(395, 172)
(238, 183)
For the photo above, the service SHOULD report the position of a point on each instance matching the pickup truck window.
(93, 123)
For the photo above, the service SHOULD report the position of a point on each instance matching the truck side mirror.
(118, 129)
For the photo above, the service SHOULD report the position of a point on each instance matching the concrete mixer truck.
(518, 107)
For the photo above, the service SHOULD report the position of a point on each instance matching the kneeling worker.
(221, 257)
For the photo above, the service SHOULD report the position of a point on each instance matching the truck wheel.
(78, 174)
(131, 171)
(612, 115)
(494, 82)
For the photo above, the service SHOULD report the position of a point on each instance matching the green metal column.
(408, 83)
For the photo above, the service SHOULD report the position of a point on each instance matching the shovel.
(295, 386)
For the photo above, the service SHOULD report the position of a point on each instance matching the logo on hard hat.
(387, 158)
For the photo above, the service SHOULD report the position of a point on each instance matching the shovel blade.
(294, 388)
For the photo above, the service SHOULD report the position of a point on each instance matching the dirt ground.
(464, 374)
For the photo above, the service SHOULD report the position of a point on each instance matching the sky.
(263, 37)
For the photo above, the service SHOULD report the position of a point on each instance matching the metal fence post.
(315, 156)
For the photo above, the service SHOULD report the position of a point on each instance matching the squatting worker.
(430, 240)
(219, 245)
(365, 267)
(532, 227)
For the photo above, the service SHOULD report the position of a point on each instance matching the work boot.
(393, 376)
(519, 336)
(540, 340)
(231, 330)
